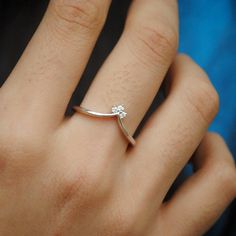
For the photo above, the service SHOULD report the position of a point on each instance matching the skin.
(78, 176)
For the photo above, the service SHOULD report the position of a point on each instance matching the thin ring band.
(117, 111)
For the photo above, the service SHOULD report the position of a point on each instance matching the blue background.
(208, 35)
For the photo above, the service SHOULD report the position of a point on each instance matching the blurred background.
(207, 34)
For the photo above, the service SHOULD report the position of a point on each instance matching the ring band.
(116, 111)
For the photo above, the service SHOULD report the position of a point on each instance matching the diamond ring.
(116, 111)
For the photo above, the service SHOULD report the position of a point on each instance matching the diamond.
(119, 110)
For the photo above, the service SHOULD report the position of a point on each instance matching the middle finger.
(175, 130)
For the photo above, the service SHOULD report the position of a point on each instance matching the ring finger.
(174, 131)
(135, 69)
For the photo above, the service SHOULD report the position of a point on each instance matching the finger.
(46, 75)
(175, 130)
(205, 195)
(135, 69)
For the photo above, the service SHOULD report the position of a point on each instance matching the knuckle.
(204, 99)
(158, 43)
(20, 156)
(225, 175)
(87, 181)
(83, 187)
(71, 187)
(87, 14)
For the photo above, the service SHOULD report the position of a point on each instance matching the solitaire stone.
(119, 110)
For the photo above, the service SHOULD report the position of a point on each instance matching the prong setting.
(119, 110)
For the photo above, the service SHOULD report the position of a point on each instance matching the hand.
(77, 176)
